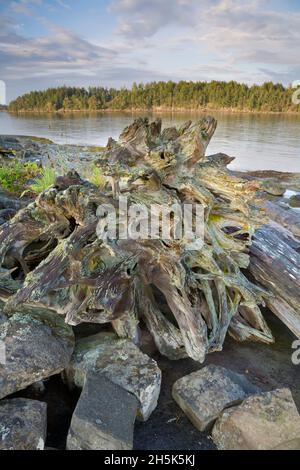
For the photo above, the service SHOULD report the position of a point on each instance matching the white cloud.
(143, 18)
(64, 57)
(245, 40)
(63, 4)
(234, 31)
(62, 50)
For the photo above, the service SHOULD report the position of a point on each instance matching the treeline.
(168, 95)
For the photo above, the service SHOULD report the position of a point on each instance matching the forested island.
(215, 95)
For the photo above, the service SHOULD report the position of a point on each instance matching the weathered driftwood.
(275, 263)
(188, 299)
(274, 183)
(285, 180)
(287, 218)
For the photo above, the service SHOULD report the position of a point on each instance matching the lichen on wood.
(188, 299)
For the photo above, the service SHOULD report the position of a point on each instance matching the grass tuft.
(44, 181)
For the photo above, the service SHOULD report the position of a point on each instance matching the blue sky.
(116, 42)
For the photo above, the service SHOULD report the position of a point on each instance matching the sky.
(114, 43)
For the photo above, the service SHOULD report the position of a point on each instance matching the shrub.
(14, 175)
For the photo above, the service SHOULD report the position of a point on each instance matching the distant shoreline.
(154, 110)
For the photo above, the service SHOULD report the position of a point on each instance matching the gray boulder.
(37, 344)
(122, 362)
(204, 394)
(23, 424)
(103, 418)
(266, 421)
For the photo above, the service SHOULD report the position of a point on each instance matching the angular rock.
(204, 394)
(37, 343)
(122, 362)
(104, 417)
(23, 424)
(266, 421)
(294, 444)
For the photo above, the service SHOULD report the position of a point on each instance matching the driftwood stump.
(188, 298)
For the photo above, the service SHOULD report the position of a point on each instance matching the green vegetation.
(186, 95)
(14, 175)
(45, 179)
(94, 176)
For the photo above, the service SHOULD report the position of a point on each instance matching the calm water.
(257, 141)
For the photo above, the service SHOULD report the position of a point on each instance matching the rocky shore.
(190, 349)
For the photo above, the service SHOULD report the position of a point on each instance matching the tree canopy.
(268, 97)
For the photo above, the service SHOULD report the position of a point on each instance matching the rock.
(294, 201)
(294, 444)
(266, 421)
(204, 394)
(103, 418)
(38, 344)
(23, 424)
(122, 362)
(46, 153)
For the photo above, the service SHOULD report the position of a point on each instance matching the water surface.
(258, 141)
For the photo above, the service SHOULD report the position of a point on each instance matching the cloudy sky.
(116, 42)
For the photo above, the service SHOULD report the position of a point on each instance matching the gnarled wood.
(64, 265)
(275, 264)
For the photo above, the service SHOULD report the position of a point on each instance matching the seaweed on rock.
(188, 299)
